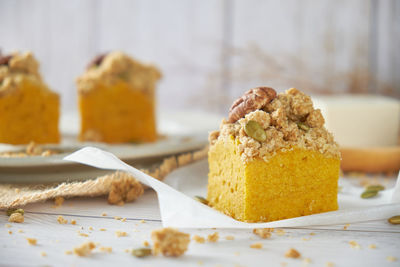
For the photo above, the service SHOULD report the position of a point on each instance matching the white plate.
(181, 132)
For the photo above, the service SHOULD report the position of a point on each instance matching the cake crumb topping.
(170, 242)
(289, 121)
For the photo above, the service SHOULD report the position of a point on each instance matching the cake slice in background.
(273, 159)
(29, 110)
(116, 97)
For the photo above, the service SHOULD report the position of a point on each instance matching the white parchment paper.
(179, 209)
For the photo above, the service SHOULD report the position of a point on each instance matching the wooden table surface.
(319, 246)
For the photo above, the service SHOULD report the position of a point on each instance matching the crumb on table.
(58, 201)
(292, 253)
(31, 241)
(85, 249)
(198, 239)
(213, 237)
(125, 188)
(169, 242)
(121, 233)
(263, 232)
(62, 220)
(256, 246)
(16, 217)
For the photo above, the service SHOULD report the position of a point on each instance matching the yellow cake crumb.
(85, 249)
(312, 233)
(105, 249)
(229, 237)
(292, 253)
(62, 220)
(104, 214)
(20, 231)
(7, 225)
(142, 221)
(280, 232)
(117, 218)
(354, 244)
(306, 239)
(121, 233)
(329, 264)
(126, 250)
(372, 246)
(16, 217)
(306, 261)
(103, 229)
(90, 228)
(10, 232)
(83, 234)
(43, 254)
(256, 245)
(123, 220)
(169, 242)
(146, 243)
(346, 226)
(391, 259)
(31, 241)
(68, 252)
(73, 222)
(264, 233)
(213, 237)
(198, 239)
(58, 201)
(124, 188)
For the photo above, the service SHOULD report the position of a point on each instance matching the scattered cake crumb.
(16, 217)
(263, 232)
(346, 226)
(20, 231)
(31, 241)
(213, 237)
(169, 242)
(124, 188)
(58, 201)
(62, 220)
(280, 232)
(354, 244)
(329, 264)
(7, 225)
(142, 221)
(10, 232)
(306, 261)
(104, 214)
(90, 228)
(198, 239)
(372, 246)
(256, 245)
(117, 218)
(306, 239)
(391, 259)
(229, 237)
(126, 250)
(105, 249)
(123, 220)
(312, 234)
(43, 254)
(292, 253)
(83, 234)
(73, 222)
(146, 243)
(103, 229)
(120, 233)
(68, 252)
(85, 249)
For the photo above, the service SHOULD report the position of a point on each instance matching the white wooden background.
(210, 51)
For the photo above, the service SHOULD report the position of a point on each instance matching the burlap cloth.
(12, 195)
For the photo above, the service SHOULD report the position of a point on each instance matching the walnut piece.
(170, 242)
(124, 189)
(252, 100)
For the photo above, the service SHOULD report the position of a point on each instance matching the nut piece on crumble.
(124, 189)
(85, 249)
(170, 242)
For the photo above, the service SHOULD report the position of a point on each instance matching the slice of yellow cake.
(29, 111)
(273, 159)
(116, 98)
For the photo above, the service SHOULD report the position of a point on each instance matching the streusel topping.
(115, 66)
(16, 67)
(289, 121)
